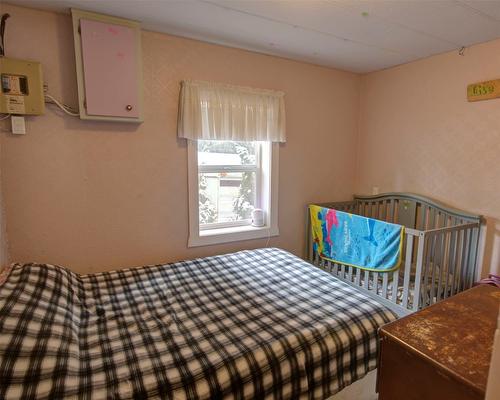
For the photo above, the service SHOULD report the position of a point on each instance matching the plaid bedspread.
(252, 324)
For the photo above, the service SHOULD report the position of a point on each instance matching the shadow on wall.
(491, 253)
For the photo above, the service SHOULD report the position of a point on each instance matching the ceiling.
(353, 35)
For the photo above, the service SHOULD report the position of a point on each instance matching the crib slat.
(475, 249)
(342, 271)
(447, 263)
(385, 281)
(467, 284)
(443, 267)
(383, 210)
(396, 211)
(431, 218)
(349, 273)
(435, 256)
(460, 265)
(406, 276)
(472, 256)
(375, 282)
(453, 263)
(435, 267)
(365, 283)
(418, 274)
(357, 280)
(465, 265)
(429, 269)
(466, 259)
(426, 268)
(391, 210)
(423, 214)
(440, 268)
(333, 268)
(395, 285)
(460, 260)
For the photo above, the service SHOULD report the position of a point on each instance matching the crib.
(440, 250)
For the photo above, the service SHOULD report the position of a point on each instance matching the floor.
(364, 389)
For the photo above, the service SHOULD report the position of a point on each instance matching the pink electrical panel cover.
(110, 69)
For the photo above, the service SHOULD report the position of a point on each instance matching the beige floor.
(364, 389)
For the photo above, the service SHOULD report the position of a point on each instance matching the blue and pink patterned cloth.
(351, 239)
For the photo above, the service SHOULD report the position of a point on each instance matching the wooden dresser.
(441, 352)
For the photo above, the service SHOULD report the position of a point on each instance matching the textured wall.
(3, 236)
(418, 133)
(97, 196)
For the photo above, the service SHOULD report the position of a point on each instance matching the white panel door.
(111, 72)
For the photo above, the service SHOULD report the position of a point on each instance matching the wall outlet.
(375, 190)
(18, 125)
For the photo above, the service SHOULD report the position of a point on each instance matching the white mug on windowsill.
(258, 219)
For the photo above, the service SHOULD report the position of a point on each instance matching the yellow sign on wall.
(483, 90)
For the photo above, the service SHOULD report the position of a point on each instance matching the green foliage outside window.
(243, 203)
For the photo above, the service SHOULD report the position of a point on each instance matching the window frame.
(267, 181)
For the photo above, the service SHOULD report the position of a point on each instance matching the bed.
(251, 324)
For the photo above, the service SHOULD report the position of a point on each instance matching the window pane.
(226, 197)
(221, 152)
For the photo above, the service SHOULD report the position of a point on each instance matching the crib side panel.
(440, 251)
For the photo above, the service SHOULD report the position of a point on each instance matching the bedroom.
(386, 112)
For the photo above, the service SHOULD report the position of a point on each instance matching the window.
(233, 134)
(228, 180)
(229, 186)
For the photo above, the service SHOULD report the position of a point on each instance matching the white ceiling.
(354, 35)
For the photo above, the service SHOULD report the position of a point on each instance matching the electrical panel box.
(21, 87)
(108, 66)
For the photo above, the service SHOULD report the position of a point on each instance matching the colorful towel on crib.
(351, 239)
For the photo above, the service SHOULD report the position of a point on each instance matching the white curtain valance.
(214, 111)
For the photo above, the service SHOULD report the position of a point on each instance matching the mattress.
(251, 324)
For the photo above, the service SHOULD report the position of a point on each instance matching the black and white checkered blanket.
(253, 324)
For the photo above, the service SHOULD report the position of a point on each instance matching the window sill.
(233, 234)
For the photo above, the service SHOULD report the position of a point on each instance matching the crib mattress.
(428, 289)
(252, 324)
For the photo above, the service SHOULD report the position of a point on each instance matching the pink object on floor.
(492, 279)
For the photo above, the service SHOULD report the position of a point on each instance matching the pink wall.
(3, 234)
(419, 134)
(97, 196)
